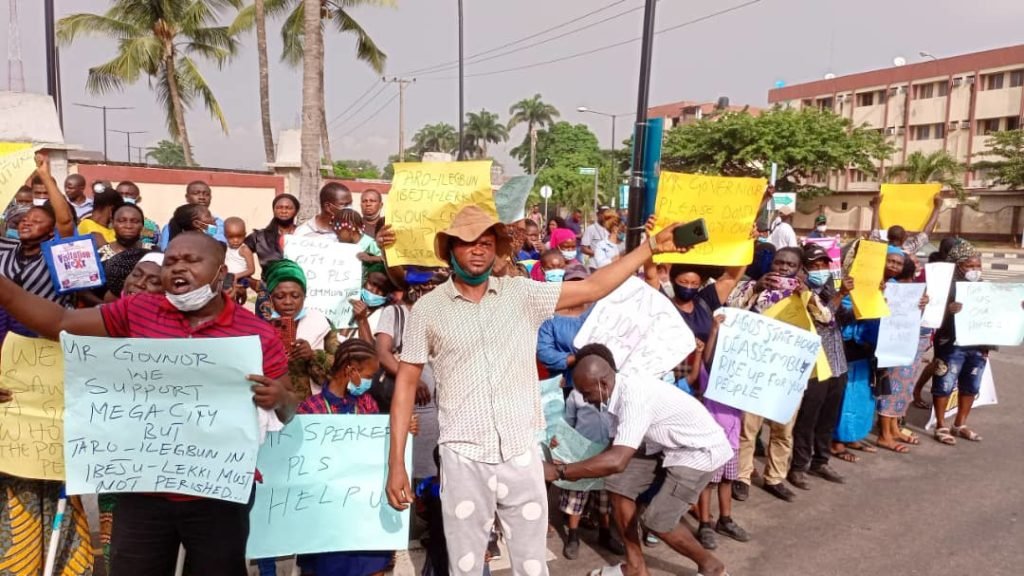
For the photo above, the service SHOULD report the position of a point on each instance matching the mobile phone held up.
(690, 234)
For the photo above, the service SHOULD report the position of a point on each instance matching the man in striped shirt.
(647, 412)
(150, 527)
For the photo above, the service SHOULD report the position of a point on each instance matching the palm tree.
(483, 128)
(167, 153)
(440, 137)
(157, 39)
(535, 114)
(312, 109)
(938, 166)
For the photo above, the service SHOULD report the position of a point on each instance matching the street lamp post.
(636, 180)
(614, 117)
(462, 91)
(104, 109)
(128, 134)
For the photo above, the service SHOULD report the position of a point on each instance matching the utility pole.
(636, 180)
(128, 134)
(52, 70)
(402, 83)
(104, 109)
(462, 92)
(138, 150)
(15, 70)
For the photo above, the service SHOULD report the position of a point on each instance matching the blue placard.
(74, 263)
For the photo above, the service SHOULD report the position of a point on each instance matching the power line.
(518, 41)
(603, 48)
(372, 116)
(545, 41)
(362, 106)
(356, 101)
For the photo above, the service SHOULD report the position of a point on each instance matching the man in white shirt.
(595, 233)
(783, 235)
(649, 413)
(334, 198)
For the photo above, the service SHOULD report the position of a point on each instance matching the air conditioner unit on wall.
(958, 81)
(965, 124)
(890, 131)
(841, 98)
(969, 79)
(954, 125)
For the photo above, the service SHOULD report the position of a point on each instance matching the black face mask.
(685, 294)
(285, 223)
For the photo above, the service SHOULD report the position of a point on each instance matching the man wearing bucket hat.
(479, 333)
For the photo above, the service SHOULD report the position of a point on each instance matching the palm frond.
(218, 37)
(244, 21)
(366, 49)
(193, 82)
(76, 25)
(135, 57)
(292, 34)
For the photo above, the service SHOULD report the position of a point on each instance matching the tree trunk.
(325, 137)
(312, 110)
(533, 149)
(176, 107)
(261, 49)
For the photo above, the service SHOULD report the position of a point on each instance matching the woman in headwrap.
(268, 244)
(307, 335)
(117, 268)
(564, 241)
(959, 367)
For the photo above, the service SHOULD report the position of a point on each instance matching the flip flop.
(863, 447)
(615, 570)
(896, 447)
(846, 456)
(921, 404)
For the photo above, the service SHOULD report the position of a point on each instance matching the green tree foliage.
(353, 169)
(440, 137)
(389, 169)
(1005, 158)
(562, 150)
(938, 166)
(536, 114)
(158, 40)
(803, 142)
(167, 153)
(483, 128)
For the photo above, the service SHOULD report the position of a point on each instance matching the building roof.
(676, 109)
(961, 64)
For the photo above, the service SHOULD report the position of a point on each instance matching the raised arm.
(64, 222)
(934, 218)
(727, 282)
(46, 318)
(606, 279)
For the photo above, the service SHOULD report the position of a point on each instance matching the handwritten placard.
(161, 415)
(17, 163)
(938, 276)
(867, 272)
(907, 205)
(761, 365)
(333, 275)
(552, 402)
(574, 447)
(899, 332)
(423, 200)
(323, 488)
(991, 314)
(793, 311)
(728, 206)
(642, 328)
(32, 423)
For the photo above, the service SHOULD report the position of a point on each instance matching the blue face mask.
(129, 200)
(372, 300)
(12, 233)
(818, 278)
(362, 388)
(556, 275)
(211, 230)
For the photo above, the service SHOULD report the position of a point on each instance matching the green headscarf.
(283, 271)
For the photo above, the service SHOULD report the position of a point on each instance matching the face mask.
(364, 385)
(38, 201)
(818, 278)
(556, 275)
(372, 300)
(12, 233)
(211, 230)
(468, 278)
(683, 293)
(603, 407)
(762, 239)
(821, 228)
(568, 254)
(972, 275)
(622, 236)
(130, 201)
(194, 300)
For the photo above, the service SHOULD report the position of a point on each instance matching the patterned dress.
(902, 380)
(27, 510)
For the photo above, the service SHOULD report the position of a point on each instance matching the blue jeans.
(964, 367)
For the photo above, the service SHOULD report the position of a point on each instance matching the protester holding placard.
(819, 409)
(911, 241)
(149, 529)
(959, 367)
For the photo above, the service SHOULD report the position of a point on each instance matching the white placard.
(900, 331)
(334, 275)
(992, 314)
(938, 275)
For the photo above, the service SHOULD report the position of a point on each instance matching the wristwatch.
(561, 471)
(653, 243)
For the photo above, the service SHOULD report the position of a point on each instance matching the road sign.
(588, 171)
(545, 192)
(784, 199)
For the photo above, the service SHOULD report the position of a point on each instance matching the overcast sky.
(740, 54)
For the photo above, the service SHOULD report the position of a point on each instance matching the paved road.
(1005, 266)
(940, 510)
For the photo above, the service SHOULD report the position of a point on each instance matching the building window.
(994, 81)
(862, 176)
(988, 126)
(866, 99)
(938, 131)
(1016, 78)
(942, 88)
(825, 104)
(1013, 122)
(922, 132)
(924, 91)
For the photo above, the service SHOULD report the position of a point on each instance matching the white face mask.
(568, 254)
(821, 228)
(972, 275)
(603, 407)
(38, 201)
(194, 300)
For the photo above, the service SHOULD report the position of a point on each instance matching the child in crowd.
(239, 258)
(348, 225)
(550, 268)
(350, 378)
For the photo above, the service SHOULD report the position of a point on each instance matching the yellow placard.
(17, 162)
(907, 205)
(793, 311)
(423, 199)
(867, 272)
(32, 423)
(728, 206)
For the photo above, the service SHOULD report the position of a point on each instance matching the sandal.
(863, 447)
(921, 404)
(909, 438)
(615, 570)
(895, 447)
(966, 433)
(943, 435)
(846, 456)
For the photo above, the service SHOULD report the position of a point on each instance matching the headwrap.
(560, 235)
(284, 271)
(895, 250)
(154, 257)
(963, 250)
(119, 266)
